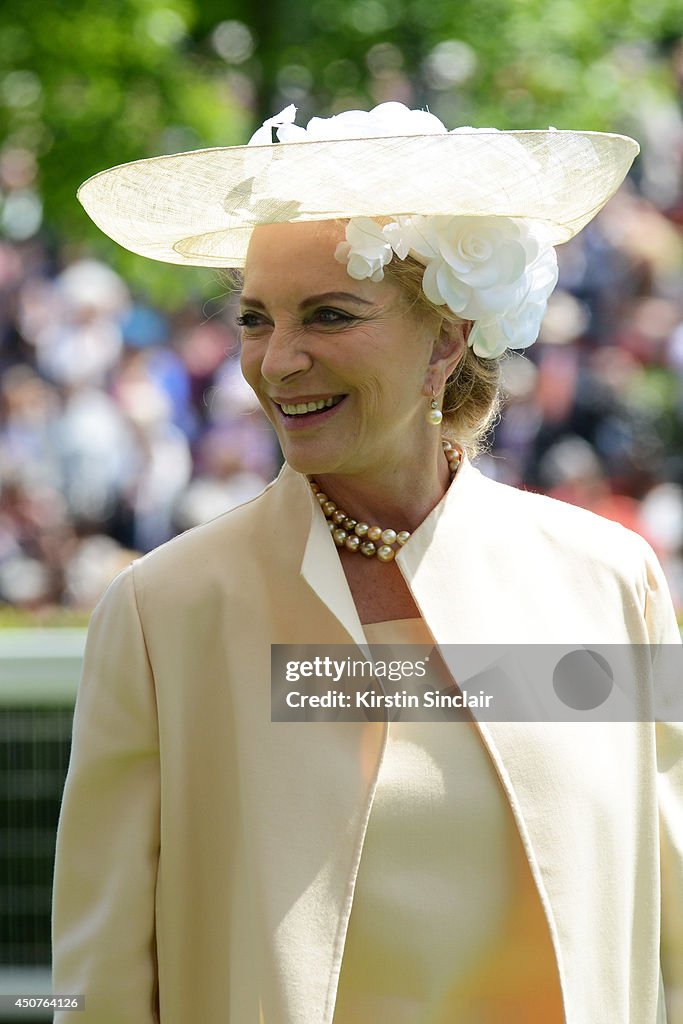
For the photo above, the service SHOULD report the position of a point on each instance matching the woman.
(213, 865)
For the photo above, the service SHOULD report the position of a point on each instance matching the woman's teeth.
(302, 407)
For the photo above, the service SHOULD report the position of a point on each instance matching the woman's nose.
(286, 354)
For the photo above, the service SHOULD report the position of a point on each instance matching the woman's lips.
(302, 421)
(300, 406)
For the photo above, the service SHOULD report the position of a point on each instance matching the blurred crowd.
(121, 426)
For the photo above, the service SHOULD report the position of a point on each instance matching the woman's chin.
(309, 462)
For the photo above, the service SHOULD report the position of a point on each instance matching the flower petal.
(455, 293)
(487, 339)
(291, 133)
(394, 118)
(398, 239)
(358, 267)
(430, 284)
(351, 124)
(341, 253)
(419, 238)
(264, 136)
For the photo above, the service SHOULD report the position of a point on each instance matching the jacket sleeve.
(666, 639)
(108, 835)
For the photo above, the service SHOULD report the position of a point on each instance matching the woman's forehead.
(272, 240)
(299, 256)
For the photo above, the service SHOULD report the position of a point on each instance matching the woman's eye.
(332, 316)
(251, 321)
(248, 320)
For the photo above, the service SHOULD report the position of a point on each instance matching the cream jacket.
(206, 857)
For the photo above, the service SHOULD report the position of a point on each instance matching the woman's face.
(351, 352)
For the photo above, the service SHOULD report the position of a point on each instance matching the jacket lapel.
(321, 569)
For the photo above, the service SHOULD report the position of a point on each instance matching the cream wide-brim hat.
(200, 208)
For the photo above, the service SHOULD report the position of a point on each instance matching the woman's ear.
(449, 346)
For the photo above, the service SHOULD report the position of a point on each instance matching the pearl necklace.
(371, 540)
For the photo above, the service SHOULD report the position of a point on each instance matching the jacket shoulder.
(569, 529)
(220, 550)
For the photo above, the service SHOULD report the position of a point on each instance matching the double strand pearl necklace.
(371, 541)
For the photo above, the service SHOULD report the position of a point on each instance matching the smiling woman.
(314, 339)
(215, 865)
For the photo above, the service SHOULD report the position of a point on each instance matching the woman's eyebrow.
(329, 296)
(312, 300)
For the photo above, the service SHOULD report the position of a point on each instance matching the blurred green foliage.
(84, 85)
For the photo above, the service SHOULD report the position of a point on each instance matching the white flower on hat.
(519, 326)
(384, 120)
(474, 264)
(366, 250)
(495, 271)
(283, 122)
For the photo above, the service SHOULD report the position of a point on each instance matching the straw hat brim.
(199, 208)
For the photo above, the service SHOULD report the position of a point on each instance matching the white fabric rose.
(518, 327)
(495, 271)
(474, 264)
(366, 250)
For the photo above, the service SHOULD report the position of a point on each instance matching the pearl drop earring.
(434, 414)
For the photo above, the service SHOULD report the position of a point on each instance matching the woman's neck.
(399, 496)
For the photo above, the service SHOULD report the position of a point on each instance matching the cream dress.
(446, 926)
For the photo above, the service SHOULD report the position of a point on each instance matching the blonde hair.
(472, 396)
